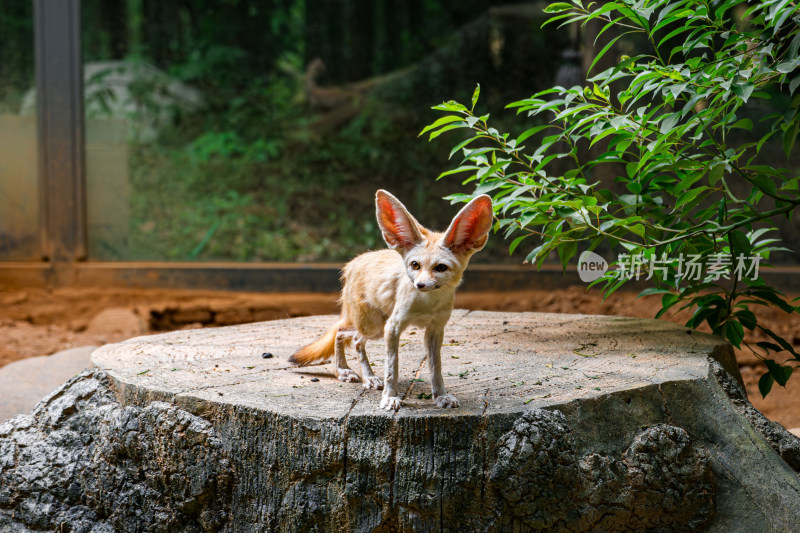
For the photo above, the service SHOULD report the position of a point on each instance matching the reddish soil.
(41, 322)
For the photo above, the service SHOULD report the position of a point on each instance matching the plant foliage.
(671, 126)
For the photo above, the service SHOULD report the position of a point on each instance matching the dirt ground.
(41, 322)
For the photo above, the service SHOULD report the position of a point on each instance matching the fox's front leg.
(433, 344)
(390, 400)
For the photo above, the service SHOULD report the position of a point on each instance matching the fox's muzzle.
(425, 287)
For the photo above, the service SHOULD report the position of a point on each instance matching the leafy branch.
(678, 135)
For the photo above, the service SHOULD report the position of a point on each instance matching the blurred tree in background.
(16, 52)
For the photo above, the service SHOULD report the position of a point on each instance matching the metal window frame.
(59, 83)
(59, 77)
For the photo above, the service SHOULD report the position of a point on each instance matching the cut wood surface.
(492, 362)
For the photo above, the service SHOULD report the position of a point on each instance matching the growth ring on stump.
(567, 423)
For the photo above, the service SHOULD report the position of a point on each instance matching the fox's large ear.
(469, 230)
(400, 229)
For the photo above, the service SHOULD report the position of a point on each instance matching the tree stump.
(567, 423)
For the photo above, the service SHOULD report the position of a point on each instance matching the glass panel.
(260, 131)
(19, 185)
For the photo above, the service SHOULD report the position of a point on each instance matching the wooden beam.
(302, 277)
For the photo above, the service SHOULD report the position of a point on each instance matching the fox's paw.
(347, 375)
(373, 382)
(391, 403)
(446, 401)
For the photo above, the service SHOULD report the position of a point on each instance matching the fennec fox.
(414, 283)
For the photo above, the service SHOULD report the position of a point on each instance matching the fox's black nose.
(420, 285)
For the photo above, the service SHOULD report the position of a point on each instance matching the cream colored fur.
(414, 283)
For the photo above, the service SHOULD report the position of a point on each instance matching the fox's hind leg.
(371, 381)
(343, 336)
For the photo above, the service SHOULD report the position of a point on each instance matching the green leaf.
(652, 290)
(605, 49)
(690, 195)
(677, 89)
(558, 7)
(754, 236)
(449, 127)
(719, 13)
(794, 46)
(700, 314)
(531, 131)
(745, 124)
(715, 174)
(747, 318)
(734, 332)
(780, 340)
(764, 183)
(788, 66)
(781, 17)
(789, 137)
(461, 145)
(670, 35)
(794, 83)
(667, 302)
(452, 105)
(669, 122)
(770, 346)
(475, 95)
(567, 251)
(741, 244)
(638, 229)
(781, 374)
(441, 122)
(457, 170)
(765, 384)
(743, 90)
(515, 243)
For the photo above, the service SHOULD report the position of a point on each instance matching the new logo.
(591, 266)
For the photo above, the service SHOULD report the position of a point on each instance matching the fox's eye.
(441, 267)
(414, 265)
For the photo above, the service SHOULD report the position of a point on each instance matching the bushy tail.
(317, 350)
